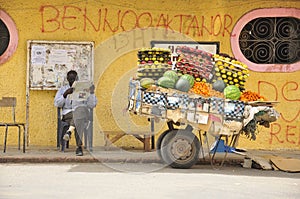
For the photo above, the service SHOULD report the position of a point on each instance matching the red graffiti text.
(288, 94)
(70, 18)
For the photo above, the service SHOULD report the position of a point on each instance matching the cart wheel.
(180, 149)
(159, 140)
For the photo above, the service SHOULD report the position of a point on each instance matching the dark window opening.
(4, 37)
(271, 40)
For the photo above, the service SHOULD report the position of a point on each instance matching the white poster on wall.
(38, 55)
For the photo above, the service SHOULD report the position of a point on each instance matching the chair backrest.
(9, 102)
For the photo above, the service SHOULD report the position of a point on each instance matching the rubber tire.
(158, 142)
(168, 143)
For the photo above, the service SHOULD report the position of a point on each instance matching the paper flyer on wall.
(81, 90)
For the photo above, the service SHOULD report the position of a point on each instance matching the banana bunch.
(231, 71)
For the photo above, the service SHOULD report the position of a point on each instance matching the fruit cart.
(186, 113)
(179, 146)
(164, 94)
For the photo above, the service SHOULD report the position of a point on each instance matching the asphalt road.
(128, 180)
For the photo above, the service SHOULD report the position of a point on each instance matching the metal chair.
(11, 102)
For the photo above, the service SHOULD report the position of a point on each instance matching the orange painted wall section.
(119, 28)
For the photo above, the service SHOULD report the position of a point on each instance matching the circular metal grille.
(271, 40)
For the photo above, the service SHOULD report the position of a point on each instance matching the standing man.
(68, 107)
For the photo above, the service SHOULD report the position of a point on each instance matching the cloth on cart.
(250, 112)
(234, 110)
(231, 109)
(154, 98)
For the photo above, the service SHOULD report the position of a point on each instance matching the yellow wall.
(109, 24)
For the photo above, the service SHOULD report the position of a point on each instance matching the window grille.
(271, 40)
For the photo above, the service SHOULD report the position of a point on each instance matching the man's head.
(72, 77)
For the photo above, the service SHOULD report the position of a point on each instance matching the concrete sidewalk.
(41, 154)
(38, 154)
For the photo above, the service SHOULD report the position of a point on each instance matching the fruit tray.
(154, 74)
(195, 62)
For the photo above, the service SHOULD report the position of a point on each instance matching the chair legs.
(19, 137)
(88, 139)
(5, 138)
(87, 135)
(24, 138)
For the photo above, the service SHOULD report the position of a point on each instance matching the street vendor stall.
(204, 92)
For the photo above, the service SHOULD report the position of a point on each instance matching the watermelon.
(147, 82)
(183, 85)
(166, 82)
(219, 85)
(188, 77)
(232, 92)
(171, 74)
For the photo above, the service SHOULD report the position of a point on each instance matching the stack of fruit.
(169, 79)
(231, 71)
(195, 62)
(207, 90)
(153, 62)
(249, 96)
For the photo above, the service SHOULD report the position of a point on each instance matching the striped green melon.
(171, 74)
(190, 78)
(166, 82)
(232, 92)
(147, 82)
(182, 85)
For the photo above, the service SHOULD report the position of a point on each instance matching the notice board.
(49, 61)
